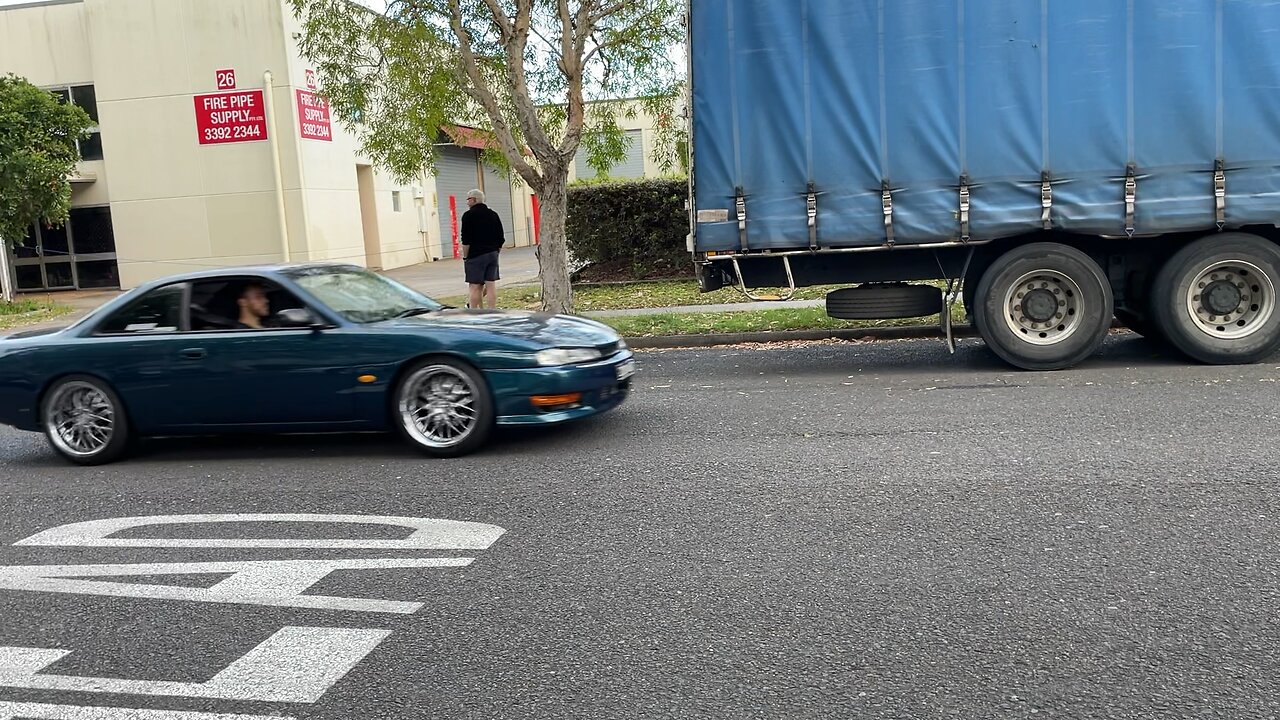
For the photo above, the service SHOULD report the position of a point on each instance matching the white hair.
(477, 194)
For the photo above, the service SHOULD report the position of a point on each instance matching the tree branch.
(606, 12)
(571, 63)
(505, 27)
(479, 91)
(526, 112)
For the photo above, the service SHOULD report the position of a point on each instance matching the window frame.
(184, 315)
(248, 277)
(96, 128)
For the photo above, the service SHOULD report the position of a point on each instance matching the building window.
(85, 97)
(80, 254)
(395, 200)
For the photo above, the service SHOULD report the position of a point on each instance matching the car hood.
(542, 328)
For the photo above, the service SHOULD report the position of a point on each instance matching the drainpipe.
(274, 139)
(6, 274)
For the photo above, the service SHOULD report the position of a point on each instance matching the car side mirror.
(300, 318)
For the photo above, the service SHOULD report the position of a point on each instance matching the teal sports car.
(303, 348)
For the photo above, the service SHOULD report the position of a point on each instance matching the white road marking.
(295, 665)
(274, 583)
(428, 533)
(37, 711)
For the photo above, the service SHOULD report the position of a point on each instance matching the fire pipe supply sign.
(313, 115)
(231, 117)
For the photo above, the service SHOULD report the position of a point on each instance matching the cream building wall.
(178, 206)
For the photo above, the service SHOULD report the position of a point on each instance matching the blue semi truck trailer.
(1057, 163)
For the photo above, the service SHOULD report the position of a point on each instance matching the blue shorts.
(481, 269)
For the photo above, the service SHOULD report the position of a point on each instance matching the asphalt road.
(835, 531)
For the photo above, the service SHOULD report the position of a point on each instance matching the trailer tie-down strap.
(811, 209)
(1220, 192)
(964, 208)
(1046, 201)
(1130, 199)
(886, 201)
(740, 204)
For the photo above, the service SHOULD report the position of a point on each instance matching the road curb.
(910, 332)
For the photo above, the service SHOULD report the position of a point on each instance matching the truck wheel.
(1044, 306)
(1215, 300)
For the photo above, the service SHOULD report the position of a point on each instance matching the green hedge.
(629, 230)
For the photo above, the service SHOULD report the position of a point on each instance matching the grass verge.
(29, 312)
(666, 324)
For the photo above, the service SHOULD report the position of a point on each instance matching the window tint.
(215, 303)
(157, 311)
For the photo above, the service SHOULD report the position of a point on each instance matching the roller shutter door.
(497, 195)
(457, 171)
(631, 167)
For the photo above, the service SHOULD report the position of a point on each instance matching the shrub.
(629, 230)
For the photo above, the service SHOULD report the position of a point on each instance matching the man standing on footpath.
(482, 240)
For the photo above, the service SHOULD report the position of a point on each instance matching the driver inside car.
(255, 308)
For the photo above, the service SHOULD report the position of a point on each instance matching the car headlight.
(567, 356)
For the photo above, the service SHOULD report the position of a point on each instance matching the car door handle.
(194, 354)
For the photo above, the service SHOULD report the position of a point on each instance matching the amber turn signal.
(546, 401)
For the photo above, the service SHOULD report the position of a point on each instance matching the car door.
(276, 376)
(135, 349)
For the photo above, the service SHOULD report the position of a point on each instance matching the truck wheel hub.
(1231, 299)
(1044, 307)
(1040, 306)
(1221, 298)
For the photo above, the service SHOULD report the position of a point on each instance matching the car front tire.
(443, 407)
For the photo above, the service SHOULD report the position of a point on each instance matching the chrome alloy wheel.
(1043, 307)
(81, 419)
(1231, 299)
(438, 406)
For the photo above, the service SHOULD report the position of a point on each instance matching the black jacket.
(482, 230)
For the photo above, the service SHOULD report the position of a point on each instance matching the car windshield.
(362, 296)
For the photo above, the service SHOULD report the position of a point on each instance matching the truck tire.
(1044, 306)
(887, 301)
(1215, 300)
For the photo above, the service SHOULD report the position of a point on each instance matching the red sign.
(231, 117)
(311, 79)
(453, 225)
(313, 114)
(226, 79)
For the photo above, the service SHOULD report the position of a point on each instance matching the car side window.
(216, 305)
(159, 311)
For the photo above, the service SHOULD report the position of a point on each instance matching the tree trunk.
(553, 255)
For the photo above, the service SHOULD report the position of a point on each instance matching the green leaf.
(38, 155)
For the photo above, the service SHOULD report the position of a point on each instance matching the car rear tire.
(85, 421)
(1044, 306)
(1216, 299)
(443, 407)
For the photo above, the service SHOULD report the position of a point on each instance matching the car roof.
(242, 270)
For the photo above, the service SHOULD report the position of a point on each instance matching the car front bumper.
(604, 385)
